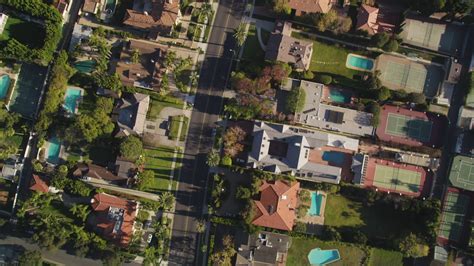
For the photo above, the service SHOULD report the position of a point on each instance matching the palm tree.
(206, 11)
(213, 158)
(194, 78)
(240, 34)
(81, 211)
(167, 200)
(151, 256)
(200, 226)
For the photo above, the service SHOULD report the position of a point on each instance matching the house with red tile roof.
(367, 19)
(156, 17)
(276, 207)
(39, 185)
(113, 217)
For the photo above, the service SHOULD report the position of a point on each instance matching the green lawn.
(300, 248)
(28, 33)
(331, 59)
(160, 161)
(347, 214)
(174, 127)
(252, 50)
(156, 105)
(385, 257)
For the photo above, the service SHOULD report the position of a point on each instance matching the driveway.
(156, 130)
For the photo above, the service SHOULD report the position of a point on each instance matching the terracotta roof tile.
(311, 6)
(277, 204)
(103, 203)
(39, 185)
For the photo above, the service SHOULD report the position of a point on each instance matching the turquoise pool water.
(334, 157)
(110, 5)
(323, 257)
(53, 150)
(71, 100)
(338, 96)
(360, 62)
(86, 66)
(316, 201)
(4, 85)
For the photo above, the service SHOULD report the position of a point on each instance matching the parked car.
(149, 238)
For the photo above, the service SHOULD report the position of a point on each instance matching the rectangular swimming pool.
(71, 99)
(334, 157)
(316, 200)
(4, 85)
(338, 96)
(359, 62)
(54, 148)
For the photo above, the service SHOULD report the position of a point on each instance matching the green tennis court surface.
(462, 172)
(397, 179)
(452, 219)
(405, 126)
(411, 77)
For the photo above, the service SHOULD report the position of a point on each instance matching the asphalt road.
(453, 131)
(190, 200)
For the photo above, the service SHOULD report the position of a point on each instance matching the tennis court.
(400, 73)
(28, 89)
(452, 217)
(435, 36)
(405, 126)
(462, 172)
(397, 179)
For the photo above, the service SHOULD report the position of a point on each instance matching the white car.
(149, 238)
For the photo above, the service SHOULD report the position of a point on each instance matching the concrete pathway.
(259, 37)
(127, 191)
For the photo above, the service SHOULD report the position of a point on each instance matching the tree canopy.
(131, 148)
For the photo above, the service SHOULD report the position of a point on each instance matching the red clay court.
(413, 128)
(395, 177)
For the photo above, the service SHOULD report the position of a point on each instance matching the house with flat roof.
(155, 17)
(80, 34)
(284, 48)
(276, 206)
(125, 168)
(130, 114)
(262, 248)
(145, 70)
(113, 218)
(9, 168)
(310, 155)
(330, 117)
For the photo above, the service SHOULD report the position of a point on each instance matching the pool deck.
(326, 95)
(315, 220)
(359, 68)
(316, 156)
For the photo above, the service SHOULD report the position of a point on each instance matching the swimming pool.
(323, 257)
(316, 201)
(4, 85)
(53, 150)
(72, 99)
(85, 66)
(359, 62)
(334, 157)
(338, 96)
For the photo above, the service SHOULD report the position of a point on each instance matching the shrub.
(380, 39)
(383, 94)
(391, 46)
(324, 79)
(226, 161)
(295, 101)
(308, 75)
(418, 98)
